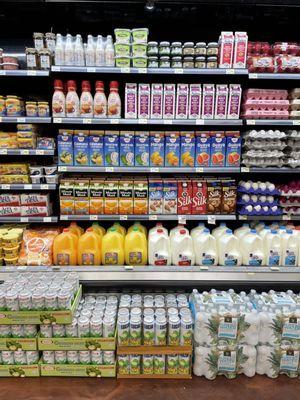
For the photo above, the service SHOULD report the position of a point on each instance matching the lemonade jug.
(65, 248)
(240, 232)
(136, 251)
(159, 250)
(119, 228)
(89, 248)
(98, 228)
(113, 247)
(153, 230)
(205, 248)
(252, 248)
(182, 248)
(199, 229)
(273, 248)
(228, 247)
(140, 227)
(74, 228)
(289, 245)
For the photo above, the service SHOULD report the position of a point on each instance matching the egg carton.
(294, 154)
(277, 360)
(293, 193)
(289, 203)
(258, 203)
(268, 105)
(262, 134)
(293, 144)
(267, 114)
(266, 94)
(264, 154)
(291, 210)
(293, 133)
(251, 190)
(294, 94)
(263, 163)
(266, 211)
(264, 145)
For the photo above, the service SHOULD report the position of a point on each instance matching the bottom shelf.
(20, 371)
(153, 376)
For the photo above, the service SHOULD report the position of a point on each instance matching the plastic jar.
(43, 109)
(188, 49)
(200, 49)
(188, 62)
(176, 48)
(45, 59)
(164, 48)
(212, 62)
(212, 49)
(200, 62)
(31, 58)
(152, 49)
(2, 106)
(164, 62)
(176, 62)
(13, 106)
(153, 62)
(31, 109)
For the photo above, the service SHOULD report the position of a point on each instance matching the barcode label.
(199, 121)
(31, 73)
(211, 219)
(109, 169)
(178, 71)
(154, 169)
(123, 217)
(57, 120)
(24, 152)
(22, 120)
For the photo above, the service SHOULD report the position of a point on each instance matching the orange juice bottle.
(119, 228)
(98, 229)
(65, 248)
(113, 247)
(140, 227)
(89, 248)
(136, 248)
(77, 230)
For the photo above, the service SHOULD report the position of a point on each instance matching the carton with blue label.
(157, 149)
(96, 145)
(111, 149)
(65, 148)
(187, 149)
(218, 149)
(81, 148)
(141, 149)
(172, 149)
(126, 148)
(233, 149)
(155, 196)
(203, 148)
(170, 196)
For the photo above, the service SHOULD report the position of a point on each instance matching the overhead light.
(149, 5)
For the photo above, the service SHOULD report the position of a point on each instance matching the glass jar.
(176, 62)
(176, 48)
(152, 49)
(200, 49)
(164, 48)
(164, 62)
(200, 62)
(31, 58)
(212, 62)
(13, 106)
(31, 109)
(212, 49)
(188, 49)
(50, 41)
(188, 62)
(153, 62)
(43, 109)
(45, 59)
(2, 106)
(38, 39)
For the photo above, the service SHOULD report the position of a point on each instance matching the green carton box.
(14, 344)
(15, 371)
(88, 371)
(90, 343)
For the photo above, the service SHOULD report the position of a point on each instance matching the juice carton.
(234, 101)
(187, 149)
(111, 148)
(203, 148)
(111, 197)
(182, 101)
(229, 195)
(96, 145)
(140, 204)
(169, 101)
(66, 196)
(157, 149)
(218, 149)
(185, 193)
(96, 196)
(144, 101)
(126, 149)
(170, 196)
(82, 197)
(65, 149)
(172, 149)
(131, 100)
(199, 196)
(226, 50)
(214, 196)
(195, 101)
(141, 149)
(81, 148)
(240, 49)
(155, 196)
(156, 100)
(221, 101)
(233, 149)
(126, 197)
(208, 101)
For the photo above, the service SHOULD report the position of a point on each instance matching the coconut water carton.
(126, 149)
(141, 149)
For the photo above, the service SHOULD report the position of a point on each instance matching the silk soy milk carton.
(156, 100)
(155, 196)
(182, 101)
(199, 196)
(185, 191)
(170, 196)
(169, 101)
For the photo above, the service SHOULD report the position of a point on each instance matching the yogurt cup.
(36, 170)
(36, 178)
(51, 178)
(50, 170)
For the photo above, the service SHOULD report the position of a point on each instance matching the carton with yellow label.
(111, 197)
(96, 196)
(82, 197)
(66, 196)
(140, 205)
(126, 197)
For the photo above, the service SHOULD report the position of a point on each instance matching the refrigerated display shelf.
(28, 219)
(169, 170)
(28, 186)
(23, 72)
(26, 152)
(134, 217)
(271, 170)
(271, 122)
(274, 76)
(284, 217)
(26, 120)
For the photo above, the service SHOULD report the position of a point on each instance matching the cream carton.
(195, 101)
(182, 101)
(240, 49)
(131, 100)
(221, 101)
(144, 101)
(226, 50)
(208, 101)
(169, 101)
(156, 100)
(234, 101)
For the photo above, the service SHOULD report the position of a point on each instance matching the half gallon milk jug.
(182, 248)
(217, 232)
(135, 246)
(289, 247)
(153, 230)
(264, 231)
(199, 229)
(273, 248)
(159, 250)
(229, 251)
(113, 247)
(240, 232)
(205, 248)
(251, 245)
(65, 248)
(89, 248)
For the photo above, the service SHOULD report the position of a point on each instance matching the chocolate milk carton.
(144, 101)
(208, 101)
(226, 50)
(182, 101)
(240, 49)
(156, 100)
(195, 101)
(234, 101)
(131, 100)
(221, 101)
(169, 101)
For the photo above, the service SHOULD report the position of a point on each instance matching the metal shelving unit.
(163, 170)
(28, 186)
(173, 217)
(23, 72)
(26, 152)
(274, 76)
(26, 120)
(283, 217)
(28, 219)
(270, 170)
(272, 122)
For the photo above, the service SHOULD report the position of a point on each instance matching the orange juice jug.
(113, 247)
(89, 248)
(136, 249)
(119, 228)
(98, 229)
(77, 230)
(65, 248)
(140, 227)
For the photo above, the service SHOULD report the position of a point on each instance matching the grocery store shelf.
(28, 186)
(274, 76)
(23, 72)
(26, 120)
(271, 170)
(169, 170)
(267, 122)
(163, 217)
(284, 217)
(26, 152)
(28, 219)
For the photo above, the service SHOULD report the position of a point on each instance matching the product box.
(187, 149)
(7, 211)
(76, 344)
(214, 196)
(156, 100)
(111, 197)
(226, 50)
(35, 211)
(233, 149)
(41, 200)
(170, 196)
(229, 196)
(182, 101)
(234, 101)
(140, 205)
(185, 193)
(240, 49)
(199, 196)
(111, 148)
(218, 149)
(208, 101)
(82, 197)
(169, 101)
(157, 149)
(65, 149)
(141, 149)
(11, 200)
(14, 344)
(221, 101)
(96, 196)
(144, 101)
(155, 196)
(203, 147)
(126, 197)
(131, 100)
(96, 145)
(81, 149)
(195, 101)
(126, 149)
(80, 370)
(66, 197)
(172, 149)
(20, 371)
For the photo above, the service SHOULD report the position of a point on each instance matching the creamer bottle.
(100, 52)
(86, 100)
(113, 248)
(289, 245)
(205, 248)
(114, 101)
(240, 232)
(159, 249)
(273, 248)
(229, 252)
(58, 100)
(182, 248)
(59, 55)
(100, 102)
(69, 51)
(135, 246)
(65, 248)
(252, 248)
(109, 52)
(89, 248)
(79, 52)
(72, 100)
(198, 229)
(90, 52)
(77, 230)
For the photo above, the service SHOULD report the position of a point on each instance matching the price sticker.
(114, 121)
(128, 267)
(154, 169)
(253, 76)
(57, 120)
(211, 219)
(250, 121)
(274, 268)
(2, 72)
(286, 217)
(123, 217)
(93, 217)
(3, 151)
(55, 268)
(109, 169)
(87, 121)
(178, 71)
(143, 121)
(55, 68)
(5, 187)
(245, 169)
(24, 152)
(0, 119)
(22, 268)
(199, 169)
(47, 219)
(40, 152)
(31, 73)
(125, 70)
(251, 273)
(90, 69)
(182, 219)
(296, 122)
(168, 121)
(142, 70)
(152, 217)
(203, 268)
(199, 121)
(62, 169)
(28, 187)
(64, 217)
(23, 219)
(230, 71)
(44, 187)
(21, 120)
(243, 217)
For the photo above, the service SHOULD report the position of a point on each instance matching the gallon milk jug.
(176, 230)
(199, 229)
(140, 227)
(289, 246)
(205, 248)
(182, 248)
(251, 245)
(229, 250)
(89, 248)
(135, 246)
(65, 248)
(263, 232)
(98, 229)
(153, 230)
(119, 228)
(159, 250)
(74, 228)
(217, 232)
(240, 232)
(113, 247)
(273, 248)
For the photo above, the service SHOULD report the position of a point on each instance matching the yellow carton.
(82, 197)
(66, 197)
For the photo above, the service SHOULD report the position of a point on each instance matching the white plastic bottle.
(159, 249)
(217, 232)
(240, 232)
(153, 230)
(100, 52)
(72, 100)
(205, 248)
(228, 248)
(251, 245)
(90, 52)
(173, 231)
(273, 248)
(198, 229)
(289, 246)
(69, 50)
(109, 52)
(264, 231)
(182, 248)
(79, 60)
(59, 53)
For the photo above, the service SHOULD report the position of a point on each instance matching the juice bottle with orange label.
(89, 248)
(65, 248)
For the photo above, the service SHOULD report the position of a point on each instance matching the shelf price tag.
(28, 187)
(2, 72)
(0, 119)
(5, 187)
(123, 217)
(86, 121)
(168, 121)
(22, 268)
(154, 169)
(245, 169)
(125, 70)
(128, 267)
(93, 217)
(211, 219)
(199, 121)
(286, 217)
(64, 217)
(90, 69)
(152, 217)
(253, 76)
(31, 73)
(203, 268)
(40, 152)
(199, 169)
(142, 70)
(47, 219)
(114, 121)
(24, 219)
(3, 151)
(24, 152)
(243, 217)
(109, 169)
(44, 187)
(143, 121)
(230, 71)
(57, 120)
(182, 219)
(21, 120)
(55, 68)
(274, 268)
(62, 169)
(296, 122)
(250, 121)
(178, 70)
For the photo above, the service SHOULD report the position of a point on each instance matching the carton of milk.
(234, 101)
(172, 149)
(141, 149)
(187, 149)
(144, 101)
(195, 101)
(156, 100)
(157, 149)
(131, 100)
(240, 49)
(170, 196)
(81, 149)
(182, 101)
(226, 49)
(169, 101)
(208, 101)
(221, 101)
(155, 196)
(126, 149)
(111, 149)
(96, 145)
(203, 147)
(65, 149)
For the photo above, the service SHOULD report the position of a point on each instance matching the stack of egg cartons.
(294, 97)
(278, 348)
(293, 148)
(225, 333)
(265, 104)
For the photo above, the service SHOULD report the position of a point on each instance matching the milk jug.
(65, 248)
(289, 246)
(159, 249)
(135, 247)
(175, 230)
(113, 247)
(205, 248)
(264, 231)
(228, 246)
(252, 248)
(89, 248)
(217, 232)
(182, 248)
(273, 248)
(240, 232)
(199, 229)
(153, 230)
